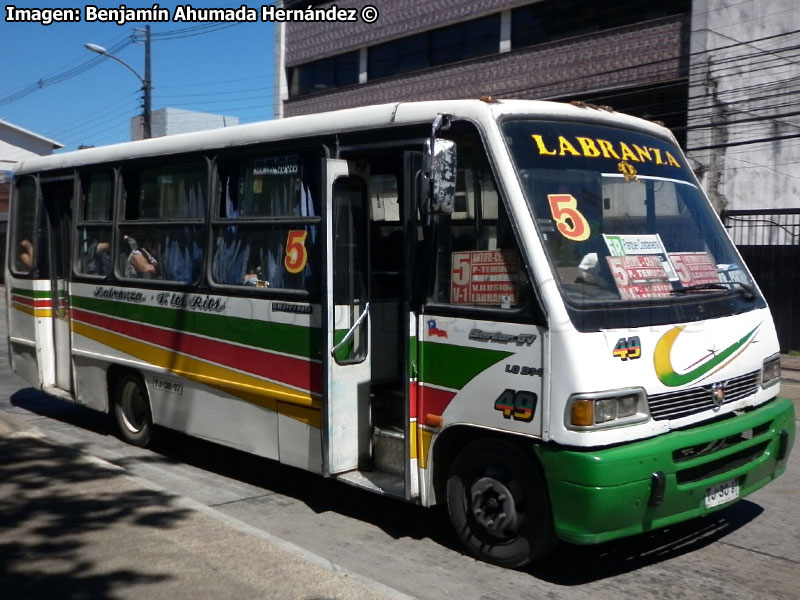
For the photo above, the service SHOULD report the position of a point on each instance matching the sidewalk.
(790, 368)
(790, 380)
(72, 526)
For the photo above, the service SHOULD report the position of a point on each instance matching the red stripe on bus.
(38, 303)
(296, 372)
(434, 401)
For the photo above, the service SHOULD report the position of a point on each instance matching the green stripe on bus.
(452, 366)
(31, 293)
(296, 340)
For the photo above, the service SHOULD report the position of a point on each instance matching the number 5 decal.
(296, 252)
(569, 220)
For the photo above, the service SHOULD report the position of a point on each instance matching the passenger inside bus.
(98, 258)
(141, 262)
(25, 257)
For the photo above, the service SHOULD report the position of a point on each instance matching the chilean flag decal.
(434, 331)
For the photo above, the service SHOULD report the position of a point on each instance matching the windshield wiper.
(748, 292)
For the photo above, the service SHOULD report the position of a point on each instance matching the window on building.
(466, 40)
(398, 56)
(554, 19)
(462, 41)
(335, 71)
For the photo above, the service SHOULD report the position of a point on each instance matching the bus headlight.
(771, 371)
(607, 409)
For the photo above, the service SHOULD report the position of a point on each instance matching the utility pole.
(147, 115)
(147, 87)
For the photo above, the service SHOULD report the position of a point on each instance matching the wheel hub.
(133, 411)
(493, 507)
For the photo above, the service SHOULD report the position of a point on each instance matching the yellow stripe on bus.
(249, 388)
(34, 312)
(425, 438)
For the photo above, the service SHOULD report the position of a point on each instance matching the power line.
(63, 76)
(131, 38)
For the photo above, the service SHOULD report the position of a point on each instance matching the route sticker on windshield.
(639, 277)
(647, 243)
(694, 268)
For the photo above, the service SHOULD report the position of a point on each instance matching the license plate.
(722, 493)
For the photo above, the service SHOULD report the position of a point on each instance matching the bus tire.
(132, 410)
(498, 504)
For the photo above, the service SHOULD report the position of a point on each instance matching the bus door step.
(389, 449)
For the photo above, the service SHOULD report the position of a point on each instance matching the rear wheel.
(498, 504)
(132, 410)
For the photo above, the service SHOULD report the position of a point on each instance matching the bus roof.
(350, 119)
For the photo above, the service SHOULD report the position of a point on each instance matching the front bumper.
(603, 494)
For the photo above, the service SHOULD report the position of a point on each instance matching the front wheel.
(132, 410)
(498, 504)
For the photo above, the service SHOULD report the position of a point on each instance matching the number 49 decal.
(628, 348)
(519, 405)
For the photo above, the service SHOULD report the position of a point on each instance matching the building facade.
(743, 126)
(632, 55)
(171, 121)
(720, 73)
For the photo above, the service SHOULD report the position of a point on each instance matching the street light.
(146, 87)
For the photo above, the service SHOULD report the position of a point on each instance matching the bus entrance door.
(346, 356)
(57, 201)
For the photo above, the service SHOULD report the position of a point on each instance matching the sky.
(87, 99)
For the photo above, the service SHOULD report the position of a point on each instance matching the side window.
(386, 231)
(478, 262)
(162, 233)
(22, 253)
(93, 256)
(266, 227)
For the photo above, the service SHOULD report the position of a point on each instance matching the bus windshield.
(621, 217)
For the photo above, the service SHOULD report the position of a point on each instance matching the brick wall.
(636, 55)
(398, 18)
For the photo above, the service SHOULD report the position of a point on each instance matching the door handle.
(351, 331)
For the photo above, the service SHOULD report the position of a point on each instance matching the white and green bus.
(526, 310)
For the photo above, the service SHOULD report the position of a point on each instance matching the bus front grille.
(721, 465)
(683, 403)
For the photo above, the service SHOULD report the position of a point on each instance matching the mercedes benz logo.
(717, 394)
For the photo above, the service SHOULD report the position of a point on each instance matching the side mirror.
(440, 165)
